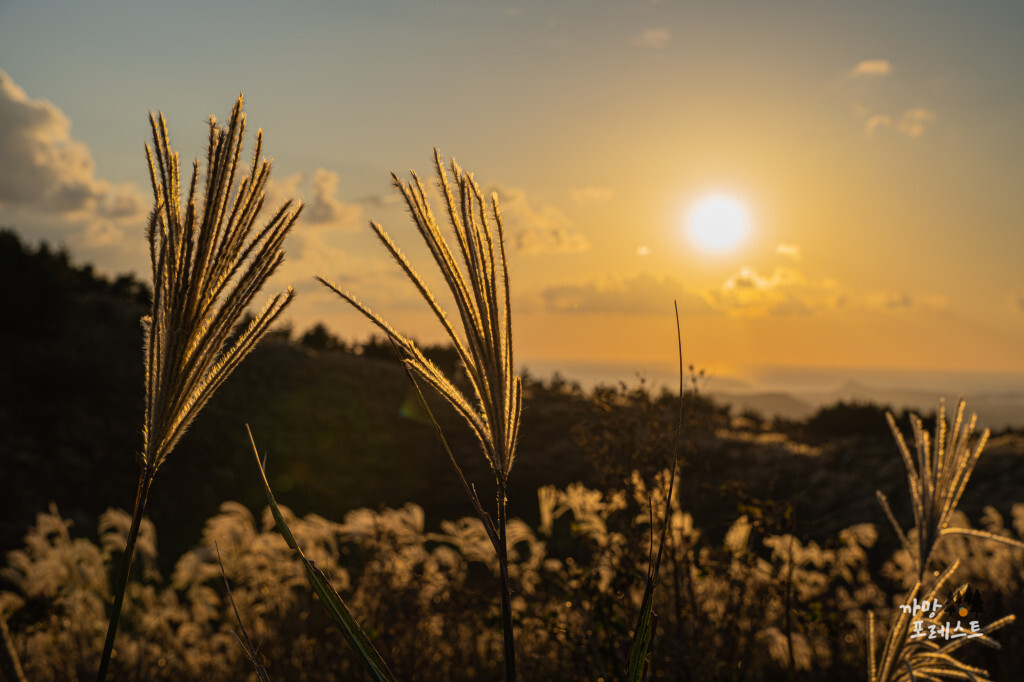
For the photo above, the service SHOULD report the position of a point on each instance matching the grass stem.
(141, 497)
(506, 588)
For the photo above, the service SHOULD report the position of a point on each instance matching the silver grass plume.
(937, 475)
(208, 265)
(479, 285)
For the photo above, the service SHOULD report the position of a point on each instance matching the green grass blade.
(638, 653)
(332, 601)
(647, 621)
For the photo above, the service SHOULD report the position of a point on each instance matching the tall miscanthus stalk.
(208, 265)
(479, 286)
(938, 471)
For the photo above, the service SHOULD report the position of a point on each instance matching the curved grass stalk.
(208, 265)
(479, 286)
(368, 655)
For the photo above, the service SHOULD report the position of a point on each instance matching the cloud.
(897, 301)
(747, 293)
(744, 294)
(642, 294)
(101, 234)
(536, 228)
(319, 192)
(44, 169)
(915, 121)
(653, 38)
(382, 200)
(323, 206)
(871, 68)
(875, 122)
(50, 191)
(789, 250)
(589, 195)
(786, 291)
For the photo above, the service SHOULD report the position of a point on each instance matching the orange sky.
(877, 149)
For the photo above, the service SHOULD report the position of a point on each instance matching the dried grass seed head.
(208, 265)
(478, 281)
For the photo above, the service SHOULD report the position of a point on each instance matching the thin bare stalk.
(244, 641)
(141, 497)
(10, 664)
(506, 588)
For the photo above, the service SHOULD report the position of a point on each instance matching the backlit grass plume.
(937, 474)
(479, 286)
(208, 265)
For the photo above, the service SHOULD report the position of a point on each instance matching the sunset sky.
(877, 147)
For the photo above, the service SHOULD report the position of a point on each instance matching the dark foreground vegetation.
(777, 547)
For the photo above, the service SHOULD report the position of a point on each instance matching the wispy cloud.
(590, 195)
(871, 68)
(787, 291)
(789, 251)
(915, 121)
(877, 122)
(653, 39)
(897, 301)
(642, 294)
(537, 228)
(746, 293)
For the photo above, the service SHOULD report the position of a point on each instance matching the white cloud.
(871, 68)
(46, 170)
(49, 189)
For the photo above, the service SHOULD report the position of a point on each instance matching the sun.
(718, 223)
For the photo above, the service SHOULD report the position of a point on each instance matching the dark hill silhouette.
(342, 430)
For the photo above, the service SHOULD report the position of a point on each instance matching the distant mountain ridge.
(996, 410)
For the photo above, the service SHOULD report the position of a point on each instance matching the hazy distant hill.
(996, 410)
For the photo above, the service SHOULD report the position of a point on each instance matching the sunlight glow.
(718, 223)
